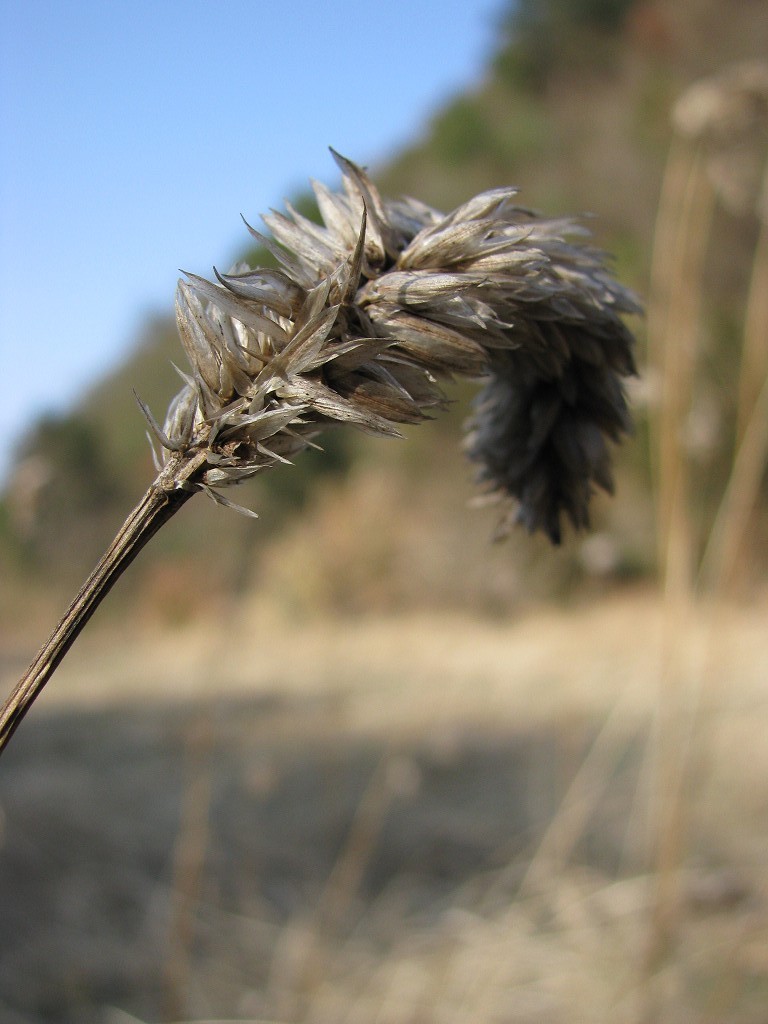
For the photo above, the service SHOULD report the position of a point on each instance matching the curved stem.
(158, 505)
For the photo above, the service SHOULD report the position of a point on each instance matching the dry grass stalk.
(682, 231)
(754, 366)
(718, 153)
(585, 790)
(296, 977)
(363, 319)
(674, 317)
(189, 857)
(727, 119)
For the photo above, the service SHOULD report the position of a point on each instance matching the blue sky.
(133, 135)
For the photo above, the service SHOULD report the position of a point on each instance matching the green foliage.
(547, 35)
(73, 450)
(470, 130)
(112, 409)
(460, 132)
(526, 134)
(61, 502)
(285, 491)
(10, 547)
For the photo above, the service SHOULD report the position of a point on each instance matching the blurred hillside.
(574, 108)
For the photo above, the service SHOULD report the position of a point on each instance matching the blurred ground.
(422, 819)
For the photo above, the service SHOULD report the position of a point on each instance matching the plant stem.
(162, 500)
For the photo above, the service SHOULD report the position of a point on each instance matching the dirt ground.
(413, 819)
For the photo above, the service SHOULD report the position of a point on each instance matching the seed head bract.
(369, 312)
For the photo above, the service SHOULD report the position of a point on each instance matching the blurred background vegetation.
(574, 107)
(497, 812)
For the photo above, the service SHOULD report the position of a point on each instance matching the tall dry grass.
(547, 937)
(699, 578)
(713, 123)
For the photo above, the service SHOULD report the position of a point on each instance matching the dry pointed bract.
(365, 316)
(369, 312)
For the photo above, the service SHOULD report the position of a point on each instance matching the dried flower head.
(366, 315)
(362, 320)
(727, 115)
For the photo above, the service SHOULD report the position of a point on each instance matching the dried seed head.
(727, 114)
(367, 313)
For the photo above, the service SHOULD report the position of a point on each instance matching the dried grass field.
(427, 819)
(553, 817)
